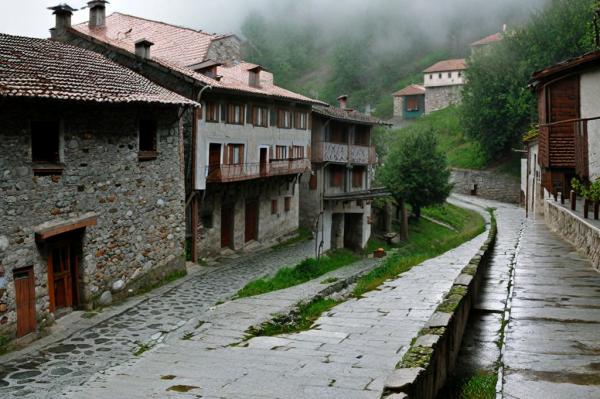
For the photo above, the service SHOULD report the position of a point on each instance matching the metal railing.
(221, 173)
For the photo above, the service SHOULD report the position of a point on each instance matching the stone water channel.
(481, 346)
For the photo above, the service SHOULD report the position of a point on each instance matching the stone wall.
(272, 227)
(224, 50)
(139, 206)
(399, 107)
(490, 184)
(583, 234)
(437, 98)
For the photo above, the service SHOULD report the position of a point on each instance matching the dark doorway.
(251, 228)
(353, 231)
(25, 300)
(264, 161)
(337, 230)
(227, 225)
(214, 161)
(63, 273)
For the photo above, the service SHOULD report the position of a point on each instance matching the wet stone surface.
(114, 341)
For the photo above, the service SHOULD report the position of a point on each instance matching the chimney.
(142, 48)
(343, 101)
(97, 13)
(63, 14)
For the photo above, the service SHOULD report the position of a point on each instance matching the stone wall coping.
(563, 208)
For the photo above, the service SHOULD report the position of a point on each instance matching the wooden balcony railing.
(229, 173)
(343, 153)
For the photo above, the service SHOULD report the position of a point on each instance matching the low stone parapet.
(432, 356)
(583, 234)
(487, 184)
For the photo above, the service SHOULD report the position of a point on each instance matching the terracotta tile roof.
(178, 48)
(447, 65)
(40, 68)
(174, 43)
(347, 115)
(496, 37)
(412, 90)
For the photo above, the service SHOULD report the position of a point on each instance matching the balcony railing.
(343, 153)
(229, 173)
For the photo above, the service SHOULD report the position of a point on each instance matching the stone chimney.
(63, 14)
(343, 101)
(97, 13)
(142, 48)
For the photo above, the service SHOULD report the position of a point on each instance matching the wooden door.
(214, 160)
(251, 226)
(564, 106)
(263, 161)
(227, 225)
(25, 300)
(63, 283)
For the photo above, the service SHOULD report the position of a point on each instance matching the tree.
(415, 171)
(497, 105)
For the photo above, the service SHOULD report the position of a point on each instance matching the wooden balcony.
(247, 171)
(343, 153)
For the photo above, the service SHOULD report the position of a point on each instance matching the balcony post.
(573, 201)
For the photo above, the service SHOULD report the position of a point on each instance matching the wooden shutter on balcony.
(226, 154)
(274, 113)
(248, 112)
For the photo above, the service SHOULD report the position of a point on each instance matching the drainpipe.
(193, 199)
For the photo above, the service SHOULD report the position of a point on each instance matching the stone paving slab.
(347, 354)
(553, 342)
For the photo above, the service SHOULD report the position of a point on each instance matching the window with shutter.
(357, 177)
(280, 152)
(287, 204)
(312, 183)
(260, 116)
(235, 114)
(300, 120)
(284, 119)
(274, 207)
(235, 154)
(212, 112)
(412, 103)
(336, 176)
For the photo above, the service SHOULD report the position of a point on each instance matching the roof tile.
(447, 65)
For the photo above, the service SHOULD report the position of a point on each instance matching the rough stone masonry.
(138, 206)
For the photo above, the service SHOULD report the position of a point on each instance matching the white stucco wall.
(434, 79)
(590, 108)
(531, 183)
(252, 137)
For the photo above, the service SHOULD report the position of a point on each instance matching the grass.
(462, 152)
(426, 240)
(169, 278)
(306, 270)
(300, 320)
(302, 234)
(479, 386)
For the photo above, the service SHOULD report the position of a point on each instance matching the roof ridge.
(212, 35)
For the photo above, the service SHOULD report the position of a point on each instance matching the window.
(440, 75)
(362, 135)
(147, 140)
(297, 152)
(412, 104)
(280, 152)
(459, 74)
(45, 142)
(212, 112)
(274, 207)
(260, 116)
(430, 76)
(284, 119)
(301, 120)
(357, 177)
(235, 154)
(449, 74)
(254, 78)
(235, 114)
(336, 175)
(287, 203)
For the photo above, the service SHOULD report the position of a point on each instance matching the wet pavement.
(348, 352)
(45, 372)
(552, 347)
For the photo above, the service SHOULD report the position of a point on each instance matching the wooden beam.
(44, 234)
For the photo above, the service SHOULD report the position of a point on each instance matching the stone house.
(443, 82)
(485, 44)
(337, 194)
(245, 149)
(91, 181)
(409, 103)
(569, 121)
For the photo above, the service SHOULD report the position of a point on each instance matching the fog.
(435, 18)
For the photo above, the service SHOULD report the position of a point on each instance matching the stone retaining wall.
(425, 368)
(579, 232)
(487, 184)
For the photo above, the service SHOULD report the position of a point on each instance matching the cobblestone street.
(45, 372)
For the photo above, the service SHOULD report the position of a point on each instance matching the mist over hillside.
(368, 49)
